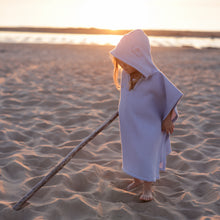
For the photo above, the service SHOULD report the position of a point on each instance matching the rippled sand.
(53, 96)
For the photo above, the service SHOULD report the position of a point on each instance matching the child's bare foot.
(134, 184)
(146, 196)
(147, 192)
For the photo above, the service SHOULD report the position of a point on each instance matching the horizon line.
(93, 30)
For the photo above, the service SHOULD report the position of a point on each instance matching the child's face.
(126, 67)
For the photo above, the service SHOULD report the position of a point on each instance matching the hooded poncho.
(142, 110)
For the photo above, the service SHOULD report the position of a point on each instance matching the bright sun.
(114, 14)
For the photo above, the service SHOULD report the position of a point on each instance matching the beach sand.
(53, 96)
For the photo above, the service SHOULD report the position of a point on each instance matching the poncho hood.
(134, 50)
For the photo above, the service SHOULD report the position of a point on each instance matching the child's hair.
(116, 72)
(134, 77)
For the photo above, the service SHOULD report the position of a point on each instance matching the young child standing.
(147, 111)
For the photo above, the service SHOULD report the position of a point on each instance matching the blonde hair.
(134, 77)
(116, 73)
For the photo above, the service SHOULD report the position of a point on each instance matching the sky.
(201, 15)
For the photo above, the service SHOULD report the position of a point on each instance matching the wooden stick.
(21, 204)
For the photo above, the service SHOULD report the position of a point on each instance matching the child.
(147, 110)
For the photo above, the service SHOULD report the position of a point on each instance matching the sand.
(53, 96)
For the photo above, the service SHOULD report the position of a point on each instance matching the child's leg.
(135, 183)
(147, 192)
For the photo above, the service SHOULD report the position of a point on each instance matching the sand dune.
(53, 96)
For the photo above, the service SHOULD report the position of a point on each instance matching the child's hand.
(167, 125)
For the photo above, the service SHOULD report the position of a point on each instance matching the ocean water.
(93, 39)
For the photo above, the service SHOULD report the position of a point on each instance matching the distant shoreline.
(165, 33)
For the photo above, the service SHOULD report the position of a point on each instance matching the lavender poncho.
(142, 110)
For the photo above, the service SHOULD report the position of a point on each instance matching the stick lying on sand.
(21, 204)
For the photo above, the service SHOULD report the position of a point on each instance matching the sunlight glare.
(115, 14)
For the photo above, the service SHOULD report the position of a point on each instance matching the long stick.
(20, 204)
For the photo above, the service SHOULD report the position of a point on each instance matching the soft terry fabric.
(141, 110)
